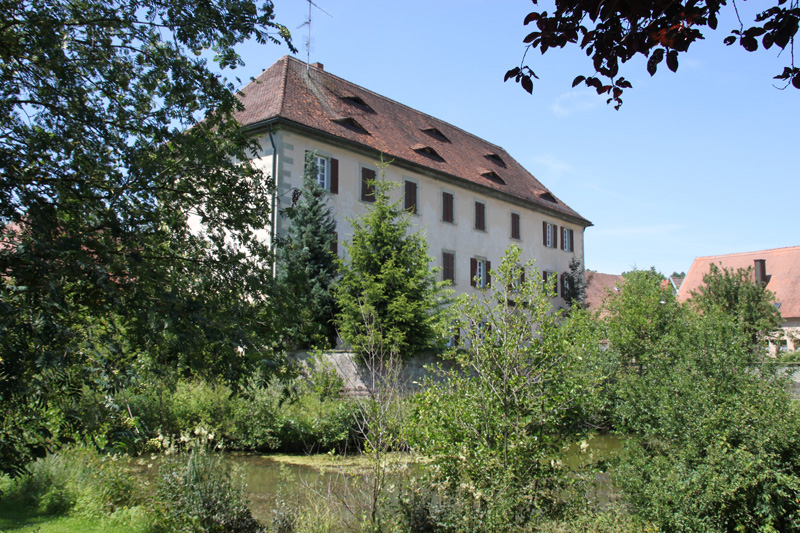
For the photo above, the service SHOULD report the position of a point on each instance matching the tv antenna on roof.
(308, 38)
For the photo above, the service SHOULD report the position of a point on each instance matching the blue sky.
(698, 162)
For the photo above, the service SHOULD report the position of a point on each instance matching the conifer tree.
(387, 289)
(307, 267)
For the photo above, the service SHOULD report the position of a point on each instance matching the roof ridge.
(431, 117)
(284, 81)
(768, 250)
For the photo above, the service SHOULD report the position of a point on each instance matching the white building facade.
(470, 198)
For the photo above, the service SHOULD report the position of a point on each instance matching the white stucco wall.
(460, 236)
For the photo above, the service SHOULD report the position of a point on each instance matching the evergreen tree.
(307, 267)
(575, 293)
(387, 294)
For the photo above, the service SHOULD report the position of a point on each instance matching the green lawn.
(28, 521)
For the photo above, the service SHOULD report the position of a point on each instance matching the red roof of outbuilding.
(783, 271)
(309, 96)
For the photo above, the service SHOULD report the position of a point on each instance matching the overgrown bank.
(710, 432)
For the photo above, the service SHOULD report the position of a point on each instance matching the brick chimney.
(318, 65)
(761, 271)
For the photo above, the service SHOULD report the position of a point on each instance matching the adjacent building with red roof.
(779, 268)
(471, 198)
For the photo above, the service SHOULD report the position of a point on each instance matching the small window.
(449, 267)
(549, 235)
(327, 174)
(322, 171)
(367, 185)
(410, 197)
(515, 232)
(564, 285)
(448, 210)
(480, 216)
(567, 240)
(480, 272)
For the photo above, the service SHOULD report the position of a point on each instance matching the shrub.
(255, 415)
(75, 480)
(197, 492)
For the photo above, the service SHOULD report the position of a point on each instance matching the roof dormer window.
(496, 159)
(429, 152)
(548, 197)
(436, 134)
(491, 175)
(357, 101)
(351, 124)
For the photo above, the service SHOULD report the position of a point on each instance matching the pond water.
(301, 480)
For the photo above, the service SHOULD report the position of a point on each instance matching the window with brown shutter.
(515, 225)
(448, 212)
(449, 267)
(334, 176)
(367, 185)
(473, 271)
(480, 216)
(410, 197)
(549, 235)
(571, 240)
(479, 272)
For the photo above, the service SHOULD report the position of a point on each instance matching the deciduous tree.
(128, 211)
(612, 33)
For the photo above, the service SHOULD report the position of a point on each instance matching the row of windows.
(328, 179)
(480, 273)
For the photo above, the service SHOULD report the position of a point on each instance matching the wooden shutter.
(544, 233)
(488, 276)
(367, 188)
(480, 216)
(514, 225)
(473, 270)
(522, 275)
(411, 197)
(571, 240)
(334, 176)
(448, 267)
(447, 207)
(335, 243)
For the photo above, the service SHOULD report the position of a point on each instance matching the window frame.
(414, 209)
(452, 255)
(480, 276)
(452, 207)
(549, 234)
(482, 218)
(366, 195)
(330, 171)
(518, 234)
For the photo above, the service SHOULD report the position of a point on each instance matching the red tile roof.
(783, 270)
(311, 97)
(599, 287)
